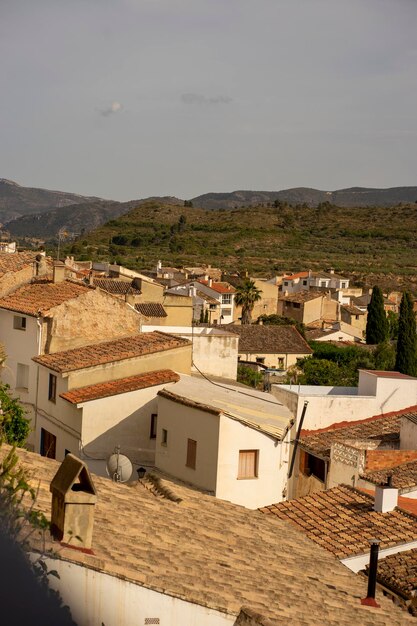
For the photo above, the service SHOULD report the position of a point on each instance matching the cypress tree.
(406, 360)
(377, 326)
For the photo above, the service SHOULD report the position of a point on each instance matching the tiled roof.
(342, 520)
(353, 310)
(398, 572)
(123, 385)
(385, 428)
(108, 351)
(116, 286)
(150, 309)
(220, 287)
(15, 261)
(270, 339)
(214, 554)
(39, 296)
(403, 476)
(303, 296)
(294, 276)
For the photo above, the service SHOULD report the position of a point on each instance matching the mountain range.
(41, 213)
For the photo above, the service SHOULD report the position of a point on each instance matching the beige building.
(18, 268)
(276, 347)
(90, 399)
(355, 317)
(309, 306)
(46, 316)
(268, 303)
(230, 442)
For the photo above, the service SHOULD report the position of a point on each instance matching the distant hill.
(16, 200)
(75, 219)
(352, 197)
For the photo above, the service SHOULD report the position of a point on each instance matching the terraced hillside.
(369, 244)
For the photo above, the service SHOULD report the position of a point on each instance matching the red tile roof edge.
(115, 387)
(347, 423)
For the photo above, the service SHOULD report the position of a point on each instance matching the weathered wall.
(97, 598)
(92, 317)
(183, 423)
(179, 310)
(12, 280)
(177, 359)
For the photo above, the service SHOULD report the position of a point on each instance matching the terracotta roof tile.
(294, 276)
(270, 339)
(108, 351)
(151, 309)
(186, 550)
(342, 520)
(220, 287)
(16, 261)
(124, 385)
(381, 427)
(41, 295)
(404, 476)
(398, 572)
(116, 286)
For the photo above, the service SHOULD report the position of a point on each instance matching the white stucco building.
(230, 441)
(378, 392)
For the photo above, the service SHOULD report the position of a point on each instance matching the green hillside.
(369, 244)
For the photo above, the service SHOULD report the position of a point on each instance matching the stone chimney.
(73, 499)
(59, 272)
(158, 266)
(386, 497)
(40, 266)
(210, 282)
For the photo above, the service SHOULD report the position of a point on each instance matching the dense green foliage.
(281, 320)
(14, 426)
(406, 361)
(377, 326)
(266, 240)
(249, 376)
(246, 295)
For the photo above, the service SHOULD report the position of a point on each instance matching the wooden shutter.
(191, 453)
(248, 461)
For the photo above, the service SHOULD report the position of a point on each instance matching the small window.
(19, 322)
(357, 317)
(260, 359)
(48, 444)
(248, 464)
(152, 434)
(304, 283)
(285, 283)
(281, 362)
(191, 453)
(22, 376)
(164, 440)
(226, 312)
(52, 388)
(213, 307)
(296, 305)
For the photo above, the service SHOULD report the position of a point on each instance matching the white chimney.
(158, 266)
(210, 282)
(386, 498)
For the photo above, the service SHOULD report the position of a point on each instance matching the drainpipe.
(373, 566)
(297, 438)
(39, 323)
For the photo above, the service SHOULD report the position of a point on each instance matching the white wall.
(183, 423)
(96, 598)
(328, 405)
(268, 487)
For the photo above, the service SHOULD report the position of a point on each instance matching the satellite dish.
(119, 467)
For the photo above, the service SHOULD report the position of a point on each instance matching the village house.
(342, 520)
(349, 452)
(355, 318)
(377, 392)
(337, 332)
(156, 551)
(221, 292)
(229, 441)
(309, 306)
(47, 316)
(266, 305)
(92, 398)
(276, 347)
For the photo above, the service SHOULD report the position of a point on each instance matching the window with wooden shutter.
(191, 453)
(48, 444)
(248, 464)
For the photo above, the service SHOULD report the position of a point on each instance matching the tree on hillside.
(246, 295)
(406, 360)
(377, 326)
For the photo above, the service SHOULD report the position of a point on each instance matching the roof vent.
(386, 497)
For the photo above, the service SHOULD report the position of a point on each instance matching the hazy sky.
(129, 98)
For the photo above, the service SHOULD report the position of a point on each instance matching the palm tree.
(246, 295)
